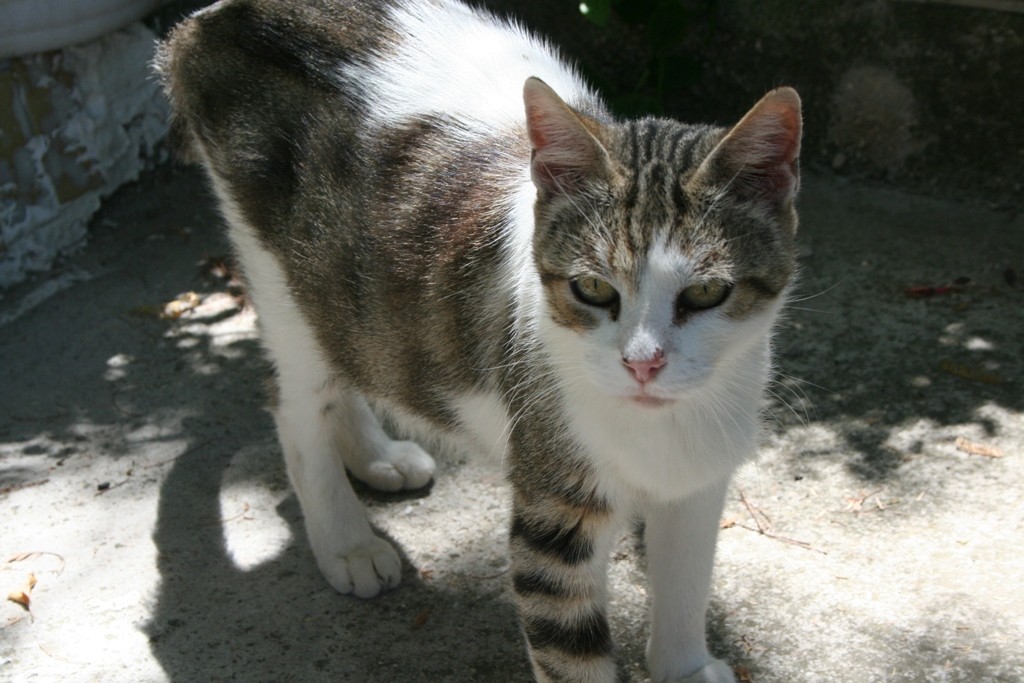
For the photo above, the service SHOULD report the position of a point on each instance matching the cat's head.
(664, 250)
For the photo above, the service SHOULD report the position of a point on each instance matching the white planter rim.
(31, 26)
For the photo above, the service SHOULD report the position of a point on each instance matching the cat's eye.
(594, 291)
(703, 296)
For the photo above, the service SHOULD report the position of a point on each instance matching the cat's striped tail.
(560, 542)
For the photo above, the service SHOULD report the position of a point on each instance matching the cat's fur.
(416, 216)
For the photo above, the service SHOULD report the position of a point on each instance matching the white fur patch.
(457, 61)
(521, 276)
(285, 333)
(484, 418)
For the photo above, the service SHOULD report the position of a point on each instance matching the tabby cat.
(439, 221)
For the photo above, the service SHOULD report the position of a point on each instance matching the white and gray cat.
(437, 219)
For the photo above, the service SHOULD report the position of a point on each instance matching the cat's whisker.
(535, 399)
(778, 397)
(739, 237)
(730, 407)
(768, 412)
(794, 386)
(521, 362)
(716, 415)
(810, 310)
(799, 381)
(794, 389)
(791, 301)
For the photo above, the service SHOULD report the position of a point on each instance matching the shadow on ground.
(901, 318)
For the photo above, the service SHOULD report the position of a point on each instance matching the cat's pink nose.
(644, 369)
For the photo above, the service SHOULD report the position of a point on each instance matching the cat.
(438, 221)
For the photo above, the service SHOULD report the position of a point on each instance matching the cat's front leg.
(350, 555)
(680, 539)
(559, 548)
(324, 426)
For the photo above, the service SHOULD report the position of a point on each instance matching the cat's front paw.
(402, 466)
(715, 671)
(363, 570)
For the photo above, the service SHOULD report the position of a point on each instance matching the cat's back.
(273, 96)
(238, 63)
(387, 60)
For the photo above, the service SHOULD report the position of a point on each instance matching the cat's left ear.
(760, 157)
(566, 152)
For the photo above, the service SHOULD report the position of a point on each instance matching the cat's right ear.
(759, 157)
(566, 154)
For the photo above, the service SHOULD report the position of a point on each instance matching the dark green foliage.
(663, 25)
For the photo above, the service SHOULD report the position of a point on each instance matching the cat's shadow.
(280, 621)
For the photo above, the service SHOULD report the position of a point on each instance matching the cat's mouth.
(648, 401)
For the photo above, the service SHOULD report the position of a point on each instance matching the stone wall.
(925, 95)
(75, 124)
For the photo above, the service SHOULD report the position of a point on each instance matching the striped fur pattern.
(438, 220)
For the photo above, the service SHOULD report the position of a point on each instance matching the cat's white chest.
(668, 454)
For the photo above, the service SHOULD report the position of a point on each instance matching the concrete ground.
(878, 538)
